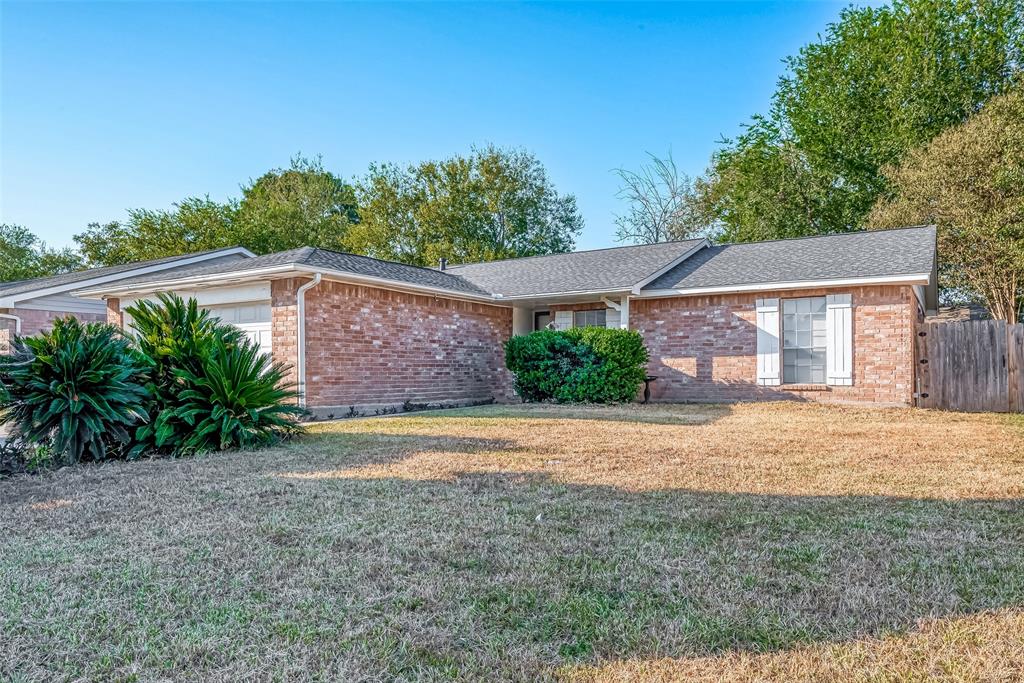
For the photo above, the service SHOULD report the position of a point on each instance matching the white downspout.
(300, 296)
(16, 319)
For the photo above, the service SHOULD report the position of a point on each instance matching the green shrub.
(177, 336)
(75, 391)
(584, 364)
(238, 400)
(210, 387)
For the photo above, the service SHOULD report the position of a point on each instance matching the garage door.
(252, 317)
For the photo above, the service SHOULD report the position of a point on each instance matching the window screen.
(803, 341)
(594, 318)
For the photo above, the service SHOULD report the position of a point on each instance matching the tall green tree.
(303, 205)
(194, 224)
(880, 82)
(492, 204)
(969, 182)
(23, 255)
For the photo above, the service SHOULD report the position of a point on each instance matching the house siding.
(367, 346)
(705, 348)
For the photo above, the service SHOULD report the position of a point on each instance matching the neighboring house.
(30, 306)
(828, 318)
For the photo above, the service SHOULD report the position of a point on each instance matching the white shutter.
(611, 319)
(767, 341)
(563, 320)
(839, 339)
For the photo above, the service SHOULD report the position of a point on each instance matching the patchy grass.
(748, 543)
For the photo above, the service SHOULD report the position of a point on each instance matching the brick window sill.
(806, 387)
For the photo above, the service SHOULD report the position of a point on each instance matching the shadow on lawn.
(563, 572)
(652, 413)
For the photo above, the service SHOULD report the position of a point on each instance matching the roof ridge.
(861, 231)
(381, 260)
(581, 251)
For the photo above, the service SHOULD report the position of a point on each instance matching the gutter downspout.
(300, 296)
(16, 319)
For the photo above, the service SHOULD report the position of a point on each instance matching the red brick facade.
(367, 346)
(114, 314)
(705, 348)
(370, 346)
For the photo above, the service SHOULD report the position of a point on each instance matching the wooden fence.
(972, 366)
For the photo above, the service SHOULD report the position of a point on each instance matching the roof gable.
(598, 270)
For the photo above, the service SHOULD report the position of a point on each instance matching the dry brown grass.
(747, 543)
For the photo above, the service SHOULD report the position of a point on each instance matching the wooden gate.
(972, 366)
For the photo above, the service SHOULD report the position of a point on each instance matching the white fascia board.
(216, 280)
(597, 293)
(75, 287)
(914, 279)
(287, 269)
(669, 266)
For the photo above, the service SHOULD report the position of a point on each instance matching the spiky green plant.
(76, 390)
(239, 400)
(205, 371)
(176, 335)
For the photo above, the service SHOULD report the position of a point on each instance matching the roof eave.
(277, 271)
(907, 279)
(80, 285)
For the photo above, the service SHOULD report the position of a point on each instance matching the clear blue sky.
(118, 105)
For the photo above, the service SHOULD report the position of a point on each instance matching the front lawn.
(747, 542)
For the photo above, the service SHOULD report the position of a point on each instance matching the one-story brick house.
(829, 318)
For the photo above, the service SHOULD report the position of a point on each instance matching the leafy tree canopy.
(303, 205)
(24, 256)
(879, 83)
(195, 224)
(283, 209)
(969, 182)
(492, 204)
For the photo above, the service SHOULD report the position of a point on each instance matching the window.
(595, 318)
(803, 340)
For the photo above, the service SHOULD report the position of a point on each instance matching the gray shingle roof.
(617, 268)
(324, 258)
(23, 286)
(904, 251)
(891, 252)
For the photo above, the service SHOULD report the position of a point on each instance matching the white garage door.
(253, 318)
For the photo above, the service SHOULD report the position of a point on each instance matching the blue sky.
(109, 106)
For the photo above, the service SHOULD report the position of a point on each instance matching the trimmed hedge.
(579, 365)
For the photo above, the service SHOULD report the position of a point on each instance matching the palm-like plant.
(211, 387)
(238, 400)
(176, 336)
(76, 389)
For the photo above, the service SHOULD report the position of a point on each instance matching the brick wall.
(704, 348)
(370, 346)
(284, 328)
(114, 314)
(34, 321)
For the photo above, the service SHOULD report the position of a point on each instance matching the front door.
(541, 320)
